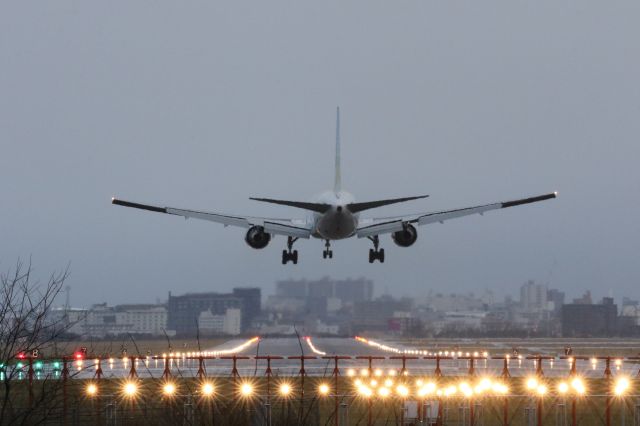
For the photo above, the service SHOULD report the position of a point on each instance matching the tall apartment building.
(533, 297)
(184, 310)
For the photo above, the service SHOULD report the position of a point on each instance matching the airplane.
(334, 215)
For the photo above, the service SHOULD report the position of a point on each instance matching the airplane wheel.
(324, 254)
(330, 254)
(370, 255)
(295, 257)
(284, 257)
(381, 256)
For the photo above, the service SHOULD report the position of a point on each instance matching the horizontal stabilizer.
(315, 207)
(358, 207)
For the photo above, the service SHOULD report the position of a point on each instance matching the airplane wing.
(288, 227)
(393, 224)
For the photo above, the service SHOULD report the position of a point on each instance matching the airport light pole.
(336, 375)
(578, 387)
(505, 375)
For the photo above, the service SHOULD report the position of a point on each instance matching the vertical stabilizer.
(337, 187)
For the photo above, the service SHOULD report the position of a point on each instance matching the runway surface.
(283, 349)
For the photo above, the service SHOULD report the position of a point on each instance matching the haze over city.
(202, 105)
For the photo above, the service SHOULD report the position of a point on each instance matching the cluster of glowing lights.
(485, 386)
(384, 388)
(221, 352)
(387, 348)
(313, 348)
(576, 385)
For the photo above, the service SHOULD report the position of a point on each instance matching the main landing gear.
(374, 253)
(327, 251)
(289, 255)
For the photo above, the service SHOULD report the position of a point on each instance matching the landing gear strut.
(375, 253)
(289, 255)
(327, 251)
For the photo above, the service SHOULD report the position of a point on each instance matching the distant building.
(584, 300)
(374, 315)
(533, 297)
(251, 304)
(68, 320)
(589, 320)
(555, 300)
(185, 310)
(102, 320)
(348, 291)
(229, 323)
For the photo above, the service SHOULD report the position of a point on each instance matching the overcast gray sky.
(202, 104)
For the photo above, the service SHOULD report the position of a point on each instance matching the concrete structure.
(589, 320)
(103, 320)
(533, 297)
(229, 323)
(184, 310)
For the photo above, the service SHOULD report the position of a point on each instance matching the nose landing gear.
(375, 253)
(289, 255)
(327, 253)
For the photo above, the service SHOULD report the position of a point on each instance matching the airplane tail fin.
(337, 187)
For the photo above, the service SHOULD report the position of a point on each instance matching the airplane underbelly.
(336, 226)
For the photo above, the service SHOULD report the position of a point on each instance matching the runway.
(285, 354)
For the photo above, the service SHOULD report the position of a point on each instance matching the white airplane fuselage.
(338, 222)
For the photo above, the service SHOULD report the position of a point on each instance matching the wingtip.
(555, 194)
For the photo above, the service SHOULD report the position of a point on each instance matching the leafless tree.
(26, 330)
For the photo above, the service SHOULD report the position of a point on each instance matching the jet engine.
(257, 238)
(406, 237)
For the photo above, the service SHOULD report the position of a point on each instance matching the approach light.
(532, 383)
(285, 389)
(365, 391)
(388, 383)
(207, 389)
(130, 389)
(364, 372)
(246, 390)
(500, 388)
(378, 372)
(563, 388)
(450, 391)
(92, 389)
(621, 386)
(485, 384)
(169, 389)
(578, 386)
(351, 372)
(541, 390)
(403, 391)
(427, 389)
(384, 392)
(323, 389)
(373, 383)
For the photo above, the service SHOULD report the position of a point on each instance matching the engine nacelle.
(406, 237)
(257, 238)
